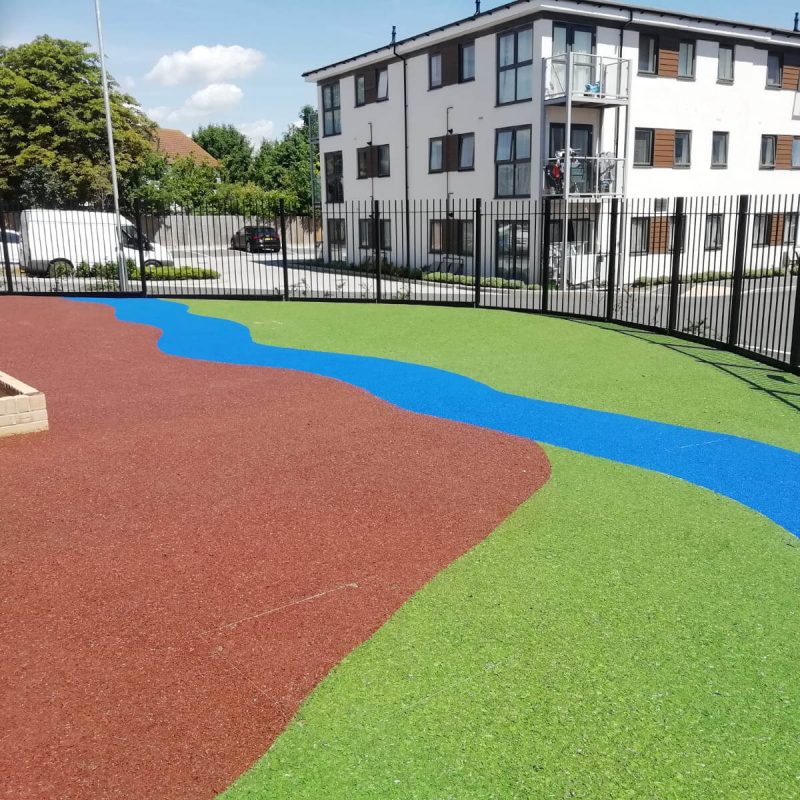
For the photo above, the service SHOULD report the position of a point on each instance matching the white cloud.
(208, 102)
(204, 64)
(257, 131)
(128, 83)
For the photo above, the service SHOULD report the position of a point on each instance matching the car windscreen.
(12, 237)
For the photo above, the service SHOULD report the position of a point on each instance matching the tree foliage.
(229, 146)
(52, 122)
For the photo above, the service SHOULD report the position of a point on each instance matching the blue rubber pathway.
(760, 476)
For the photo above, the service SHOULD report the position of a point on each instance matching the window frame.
(368, 224)
(727, 138)
(360, 81)
(337, 222)
(328, 157)
(362, 152)
(795, 152)
(720, 79)
(764, 138)
(767, 230)
(715, 246)
(461, 48)
(441, 140)
(378, 72)
(693, 44)
(462, 226)
(333, 108)
(378, 173)
(652, 135)
(515, 65)
(431, 84)
(675, 163)
(514, 129)
(654, 40)
(645, 249)
(779, 83)
(790, 226)
(461, 137)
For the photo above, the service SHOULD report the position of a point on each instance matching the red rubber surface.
(193, 546)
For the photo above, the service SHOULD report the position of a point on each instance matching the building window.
(334, 190)
(796, 152)
(383, 84)
(361, 90)
(683, 148)
(337, 239)
(643, 147)
(768, 147)
(714, 232)
(686, 60)
(671, 234)
(450, 237)
(435, 65)
(366, 234)
(515, 66)
(466, 151)
(762, 228)
(725, 64)
(640, 235)
(648, 55)
(580, 235)
(373, 162)
(719, 149)
(513, 162)
(790, 230)
(331, 113)
(466, 62)
(512, 245)
(436, 155)
(774, 70)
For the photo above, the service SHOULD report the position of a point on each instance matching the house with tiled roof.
(176, 144)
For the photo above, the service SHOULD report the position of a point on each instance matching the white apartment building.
(580, 101)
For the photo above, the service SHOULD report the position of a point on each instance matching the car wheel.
(153, 263)
(60, 268)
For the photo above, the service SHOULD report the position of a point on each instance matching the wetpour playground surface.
(352, 551)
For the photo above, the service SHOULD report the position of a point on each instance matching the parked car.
(256, 239)
(13, 242)
(66, 239)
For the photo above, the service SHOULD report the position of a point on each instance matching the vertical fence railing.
(5, 252)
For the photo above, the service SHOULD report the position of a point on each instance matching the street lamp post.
(123, 274)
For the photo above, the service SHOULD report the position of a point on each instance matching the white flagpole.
(123, 273)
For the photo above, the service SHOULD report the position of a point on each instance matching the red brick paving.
(155, 543)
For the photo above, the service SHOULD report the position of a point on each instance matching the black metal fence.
(721, 270)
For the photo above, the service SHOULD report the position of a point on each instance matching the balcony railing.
(588, 176)
(594, 79)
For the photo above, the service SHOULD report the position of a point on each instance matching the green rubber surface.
(623, 634)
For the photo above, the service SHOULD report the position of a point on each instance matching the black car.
(256, 239)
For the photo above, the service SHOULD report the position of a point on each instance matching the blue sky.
(176, 56)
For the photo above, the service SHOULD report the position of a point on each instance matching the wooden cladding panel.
(450, 153)
(783, 152)
(791, 72)
(776, 229)
(668, 58)
(659, 235)
(664, 148)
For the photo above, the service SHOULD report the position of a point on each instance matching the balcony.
(589, 176)
(586, 80)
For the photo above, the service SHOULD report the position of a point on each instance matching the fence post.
(794, 353)
(282, 212)
(738, 269)
(140, 244)
(611, 276)
(546, 254)
(477, 242)
(6, 255)
(376, 226)
(675, 282)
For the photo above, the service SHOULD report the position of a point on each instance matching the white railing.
(592, 77)
(588, 175)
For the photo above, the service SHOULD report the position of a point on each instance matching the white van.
(66, 239)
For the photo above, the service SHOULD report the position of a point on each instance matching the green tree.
(52, 116)
(285, 165)
(231, 147)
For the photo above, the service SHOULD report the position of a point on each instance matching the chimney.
(477, 7)
(797, 21)
(394, 33)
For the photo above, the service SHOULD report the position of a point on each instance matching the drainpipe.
(616, 116)
(405, 146)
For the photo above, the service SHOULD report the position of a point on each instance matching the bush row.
(708, 277)
(110, 271)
